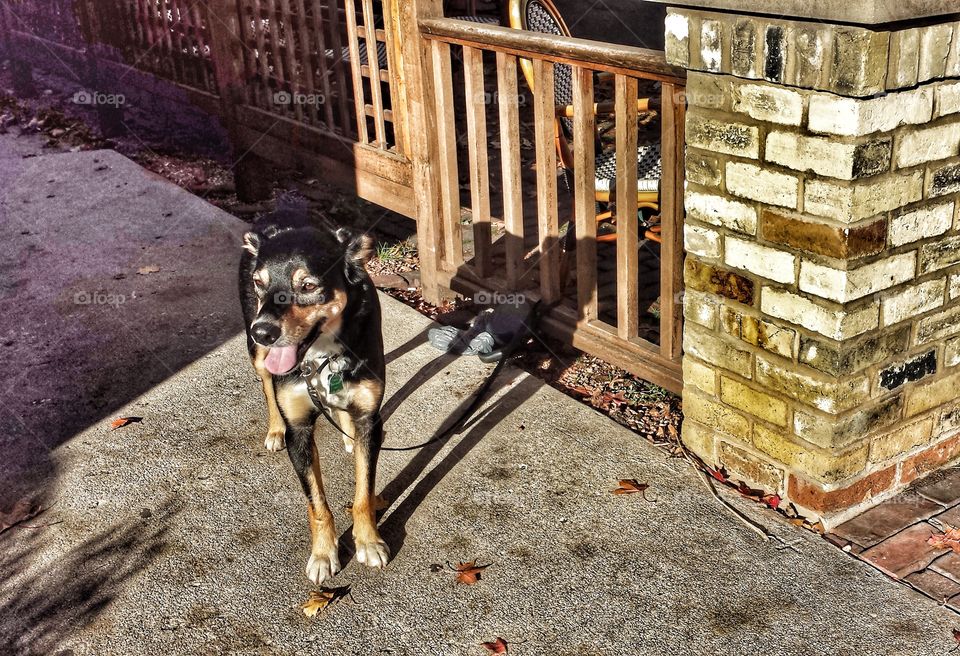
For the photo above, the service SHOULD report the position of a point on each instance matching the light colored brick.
(951, 353)
(721, 211)
(677, 44)
(843, 286)
(745, 467)
(702, 241)
(927, 397)
(934, 50)
(912, 301)
(851, 203)
(900, 441)
(701, 441)
(827, 157)
(716, 415)
(711, 45)
(763, 261)
(832, 432)
(768, 103)
(707, 91)
(827, 394)
(717, 351)
(920, 224)
(825, 466)
(940, 254)
(753, 402)
(837, 324)
(700, 308)
(851, 117)
(722, 137)
(955, 286)
(943, 180)
(928, 145)
(948, 99)
(770, 187)
(904, 58)
(940, 325)
(699, 376)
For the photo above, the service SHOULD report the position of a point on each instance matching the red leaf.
(949, 539)
(956, 635)
(120, 422)
(469, 573)
(773, 501)
(630, 486)
(498, 646)
(719, 474)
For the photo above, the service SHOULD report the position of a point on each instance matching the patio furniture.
(543, 16)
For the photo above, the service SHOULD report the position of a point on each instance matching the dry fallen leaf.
(498, 646)
(120, 422)
(950, 539)
(22, 511)
(630, 486)
(320, 599)
(150, 268)
(469, 573)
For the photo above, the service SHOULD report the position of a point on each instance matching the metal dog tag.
(335, 383)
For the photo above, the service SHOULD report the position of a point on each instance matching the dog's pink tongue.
(280, 360)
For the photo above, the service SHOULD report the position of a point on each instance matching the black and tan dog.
(313, 330)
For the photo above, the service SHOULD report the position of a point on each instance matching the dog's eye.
(308, 287)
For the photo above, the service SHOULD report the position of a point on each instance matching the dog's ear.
(251, 243)
(360, 249)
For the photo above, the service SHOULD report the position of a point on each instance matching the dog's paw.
(347, 444)
(275, 441)
(374, 553)
(322, 566)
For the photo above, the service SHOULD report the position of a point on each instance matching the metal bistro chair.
(542, 16)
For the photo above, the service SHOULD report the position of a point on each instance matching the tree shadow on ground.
(53, 600)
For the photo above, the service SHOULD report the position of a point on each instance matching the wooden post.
(585, 184)
(253, 175)
(671, 218)
(628, 297)
(424, 150)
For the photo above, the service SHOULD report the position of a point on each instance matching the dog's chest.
(323, 367)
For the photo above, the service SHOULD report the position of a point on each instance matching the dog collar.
(311, 370)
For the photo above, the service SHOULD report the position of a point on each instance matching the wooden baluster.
(287, 55)
(266, 92)
(359, 101)
(508, 95)
(477, 146)
(447, 138)
(320, 41)
(671, 217)
(584, 192)
(333, 7)
(306, 62)
(373, 63)
(628, 297)
(544, 112)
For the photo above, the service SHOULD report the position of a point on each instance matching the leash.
(501, 357)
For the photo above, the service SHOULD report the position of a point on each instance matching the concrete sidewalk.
(181, 535)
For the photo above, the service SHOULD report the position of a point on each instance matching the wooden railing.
(511, 255)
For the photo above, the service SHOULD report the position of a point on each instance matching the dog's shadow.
(393, 528)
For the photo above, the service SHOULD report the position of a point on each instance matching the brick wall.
(822, 338)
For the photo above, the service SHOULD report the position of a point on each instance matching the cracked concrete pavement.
(181, 535)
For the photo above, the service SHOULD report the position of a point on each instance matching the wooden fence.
(392, 101)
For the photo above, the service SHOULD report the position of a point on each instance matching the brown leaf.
(320, 599)
(956, 635)
(950, 539)
(630, 486)
(469, 573)
(150, 268)
(498, 646)
(22, 511)
(120, 422)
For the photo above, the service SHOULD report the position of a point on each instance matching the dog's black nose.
(265, 333)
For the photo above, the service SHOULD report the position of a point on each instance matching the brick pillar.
(822, 336)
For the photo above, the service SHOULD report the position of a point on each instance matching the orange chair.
(543, 16)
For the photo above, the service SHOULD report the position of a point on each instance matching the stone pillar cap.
(864, 12)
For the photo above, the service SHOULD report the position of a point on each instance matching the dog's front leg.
(276, 429)
(368, 436)
(302, 449)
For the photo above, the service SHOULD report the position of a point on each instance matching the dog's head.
(303, 280)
